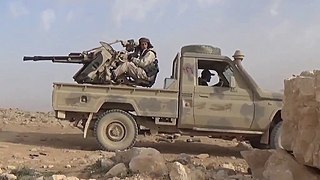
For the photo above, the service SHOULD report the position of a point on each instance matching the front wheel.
(275, 136)
(116, 130)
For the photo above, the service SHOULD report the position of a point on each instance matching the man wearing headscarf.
(205, 77)
(139, 64)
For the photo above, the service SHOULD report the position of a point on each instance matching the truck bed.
(70, 97)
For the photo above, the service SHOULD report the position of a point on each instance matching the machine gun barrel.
(71, 58)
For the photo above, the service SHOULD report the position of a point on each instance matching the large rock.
(58, 177)
(256, 160)
(106, 163)
(198, 174)
(149, 164)
(72, 178)
(281, 165)
(276, 164)
(301, 117)
(117, 170)
(184, 159)
(7, 176)
(126, 156)
(178, 172)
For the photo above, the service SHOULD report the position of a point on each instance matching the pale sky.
(278, 37)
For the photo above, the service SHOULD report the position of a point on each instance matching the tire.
(275, 136)
(255, 143)
(116, 130)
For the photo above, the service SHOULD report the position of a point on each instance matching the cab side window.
(214, 73)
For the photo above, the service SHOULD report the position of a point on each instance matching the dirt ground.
(56, 147)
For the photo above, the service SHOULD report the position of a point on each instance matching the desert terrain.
(37, 145)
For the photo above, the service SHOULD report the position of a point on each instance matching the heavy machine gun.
(77, 58)
(97, 62)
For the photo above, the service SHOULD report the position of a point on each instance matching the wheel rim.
(115, 131)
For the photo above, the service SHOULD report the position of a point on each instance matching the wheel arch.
(275, 119)
(120, 103)
(109, 105)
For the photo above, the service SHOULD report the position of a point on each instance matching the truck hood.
(261, 93)
(264, 94)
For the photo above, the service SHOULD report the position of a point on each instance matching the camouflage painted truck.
(235, 107)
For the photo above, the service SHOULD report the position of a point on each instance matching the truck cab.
(231, 101)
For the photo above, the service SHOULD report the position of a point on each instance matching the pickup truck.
(236, 107)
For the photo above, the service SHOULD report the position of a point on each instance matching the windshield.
(228, 73)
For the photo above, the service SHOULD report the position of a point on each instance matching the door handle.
(204, 95)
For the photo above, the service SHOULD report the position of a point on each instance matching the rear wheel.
(116, 130)
(275, 136)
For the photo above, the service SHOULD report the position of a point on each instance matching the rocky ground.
(36, 145)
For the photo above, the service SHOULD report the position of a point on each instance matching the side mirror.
(233, 83)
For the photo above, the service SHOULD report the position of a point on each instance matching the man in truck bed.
(143, 67)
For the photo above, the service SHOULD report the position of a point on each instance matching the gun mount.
(97, 63)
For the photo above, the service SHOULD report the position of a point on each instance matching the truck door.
(219, 106)
(187, 80)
